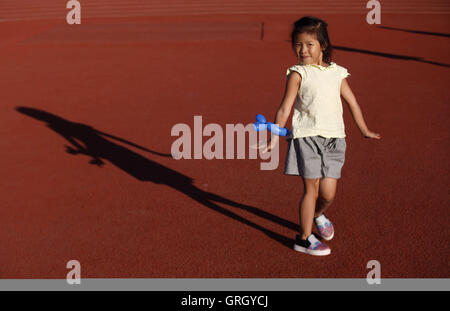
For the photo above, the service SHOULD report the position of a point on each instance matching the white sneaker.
(325, 227)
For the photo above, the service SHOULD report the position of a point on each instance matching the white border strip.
(225, 285)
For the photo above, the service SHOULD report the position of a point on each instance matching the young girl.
(316, 150)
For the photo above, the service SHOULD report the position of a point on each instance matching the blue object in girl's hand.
(261, 125)
(260, 118)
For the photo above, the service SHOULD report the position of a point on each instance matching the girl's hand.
(370, 134)
(271, 144)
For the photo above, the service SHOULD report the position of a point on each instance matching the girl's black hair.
(313, 25)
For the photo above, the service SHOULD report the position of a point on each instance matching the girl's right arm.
(290, 92)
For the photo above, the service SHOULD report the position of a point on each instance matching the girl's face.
(308, 49)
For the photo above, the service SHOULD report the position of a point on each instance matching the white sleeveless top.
(318, 106)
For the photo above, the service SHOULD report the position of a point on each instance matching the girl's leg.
(307, 205)
(327, 191)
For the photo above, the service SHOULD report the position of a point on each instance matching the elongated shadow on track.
(95, 145)
(439, 34)
(395, 56)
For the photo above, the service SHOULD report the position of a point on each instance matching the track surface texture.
(86, 116)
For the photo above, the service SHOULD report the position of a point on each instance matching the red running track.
(143, 214)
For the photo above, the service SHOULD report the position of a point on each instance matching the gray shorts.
(315, 157)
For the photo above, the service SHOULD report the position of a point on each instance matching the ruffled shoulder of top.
(343, 72)
(296, 68)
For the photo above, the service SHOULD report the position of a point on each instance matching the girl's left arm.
(350, 99)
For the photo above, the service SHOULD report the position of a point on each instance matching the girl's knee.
(326, 198)
(327, 191)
